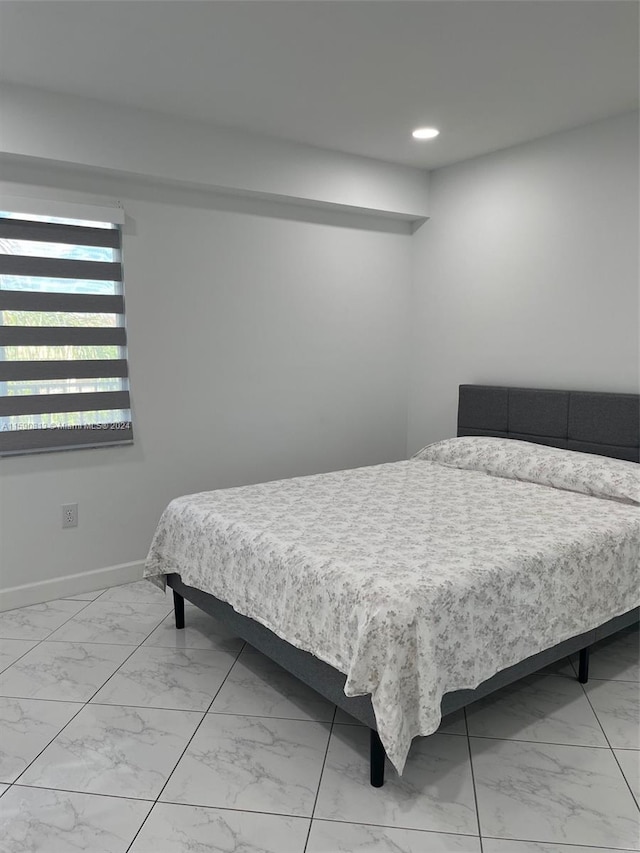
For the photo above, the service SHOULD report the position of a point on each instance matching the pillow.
(513, 459)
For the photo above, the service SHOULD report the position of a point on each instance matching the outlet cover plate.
(69, 515)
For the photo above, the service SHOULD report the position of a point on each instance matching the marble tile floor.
(120, 734)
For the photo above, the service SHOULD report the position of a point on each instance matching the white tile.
(544, 708)
(553, 793)
(251, 763)
(27, 726)
(435, 791)
(259, 687)
(201, 631)
(617, 657)
(66, 671)
(629, 760)
(108, 749)
(11, 650)
(180, 829)
(40, 821)
(37, 621)
(85, 596)
(329, 837)
(186, 679)
(3, 788)
(495, 845)
(112, 622)
(617, 706)
(140, 592)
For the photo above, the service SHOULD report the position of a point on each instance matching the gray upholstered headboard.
(588, 421)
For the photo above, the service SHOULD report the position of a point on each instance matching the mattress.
(412, 578)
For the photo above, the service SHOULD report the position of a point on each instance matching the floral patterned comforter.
(412, 578)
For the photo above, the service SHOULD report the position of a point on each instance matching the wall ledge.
(112, 139)
(20, 174)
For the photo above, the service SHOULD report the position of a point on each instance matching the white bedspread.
(411, 578)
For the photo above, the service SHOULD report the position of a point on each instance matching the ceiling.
(354, 75)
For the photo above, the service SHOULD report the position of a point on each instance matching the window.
(63, 359)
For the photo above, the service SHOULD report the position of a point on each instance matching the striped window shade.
(63, 347)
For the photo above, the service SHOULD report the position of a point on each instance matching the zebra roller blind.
(63, 357)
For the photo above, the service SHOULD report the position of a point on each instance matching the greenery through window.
(63, 359)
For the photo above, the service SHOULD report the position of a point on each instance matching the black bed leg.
(583, 665)
(178, 609)
(377, 760)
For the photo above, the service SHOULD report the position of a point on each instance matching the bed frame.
(590, 422)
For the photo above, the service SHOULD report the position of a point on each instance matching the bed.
(404, 592)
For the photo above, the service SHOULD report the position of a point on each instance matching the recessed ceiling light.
(425, 133)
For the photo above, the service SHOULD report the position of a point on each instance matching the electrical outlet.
(69, 515)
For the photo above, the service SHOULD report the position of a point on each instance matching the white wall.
(263, 344)
(66, 129)
(269, 339)
(527, 273)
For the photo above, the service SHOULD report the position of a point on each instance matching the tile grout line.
(188, 744)
(382, 825)
(208, 711)
(24, 770)
(83, 704)
(425, 832)
(44, 639)
(320, 819)
(324, 761)
(540, 742)
(89, 600)
(231, 809)
(615, 757)
(562, 844)
(403, 828)
(136, 648)
(35, 642)
(197, 711)
(103, 643)
(83, 793)
(473, 781)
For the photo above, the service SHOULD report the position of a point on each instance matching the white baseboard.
(47, 590)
